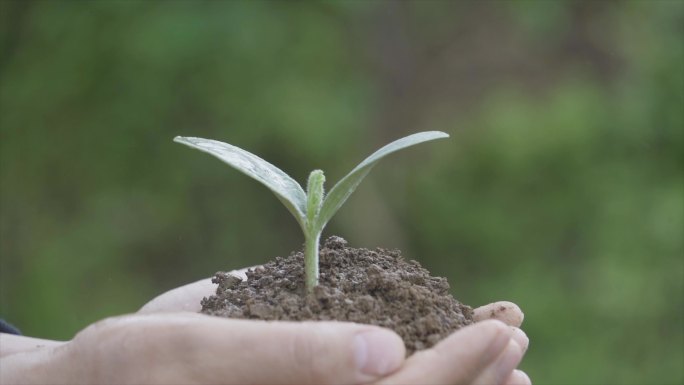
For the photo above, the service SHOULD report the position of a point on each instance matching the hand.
(163, 344)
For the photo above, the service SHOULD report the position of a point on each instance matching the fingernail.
(378, 352)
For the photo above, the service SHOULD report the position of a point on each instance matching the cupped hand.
(487, 352)
(167, 342)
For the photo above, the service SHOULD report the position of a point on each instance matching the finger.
(502, 367)
(504, 311)
(518, 377)
(297, 353)
(30, 367)
(12, 344)
(460, 358)
(521, 338)
(185, 298)
(194, 348)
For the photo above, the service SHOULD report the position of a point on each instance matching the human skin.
(168, 342)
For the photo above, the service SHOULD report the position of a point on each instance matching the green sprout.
(312, 209)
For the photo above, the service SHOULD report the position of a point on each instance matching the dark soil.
(376, 287)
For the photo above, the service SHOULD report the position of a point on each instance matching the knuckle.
(104, 341)
(96, 327)
(126, 350)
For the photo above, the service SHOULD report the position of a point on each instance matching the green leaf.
(282, 185)
(343, 189)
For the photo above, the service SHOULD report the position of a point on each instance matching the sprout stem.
(311, 260)
(312, 230)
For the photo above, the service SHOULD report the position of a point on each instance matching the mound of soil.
(375, 287)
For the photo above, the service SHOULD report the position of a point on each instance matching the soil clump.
(377, 287)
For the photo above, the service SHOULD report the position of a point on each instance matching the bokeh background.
(561, 188)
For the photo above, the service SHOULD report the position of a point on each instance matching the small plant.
(312, 209)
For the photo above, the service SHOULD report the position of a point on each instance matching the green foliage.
(563, 191)
(312, 209)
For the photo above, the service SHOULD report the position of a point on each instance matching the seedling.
(312, 209)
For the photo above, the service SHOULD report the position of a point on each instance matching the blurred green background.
(561, 188)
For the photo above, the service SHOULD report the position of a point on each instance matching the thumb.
(299, 353)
